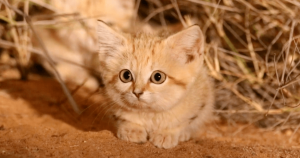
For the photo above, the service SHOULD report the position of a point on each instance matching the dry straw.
(251, 50)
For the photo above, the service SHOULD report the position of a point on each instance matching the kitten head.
(148, 73)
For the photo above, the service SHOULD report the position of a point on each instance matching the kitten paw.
(185, 136)
(132, 132)
(164, 140)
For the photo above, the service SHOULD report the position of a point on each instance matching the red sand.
(34, 124)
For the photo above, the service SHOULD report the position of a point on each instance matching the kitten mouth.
(138, 105)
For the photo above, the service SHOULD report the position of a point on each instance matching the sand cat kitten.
(159, 84)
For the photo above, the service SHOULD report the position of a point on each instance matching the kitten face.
(147, 73)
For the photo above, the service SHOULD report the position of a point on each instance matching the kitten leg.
(165, 139)
(194, 125)
(131, 132)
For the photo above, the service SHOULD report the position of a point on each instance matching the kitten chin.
(159, 84)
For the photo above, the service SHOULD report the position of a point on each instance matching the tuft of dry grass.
(251, 50)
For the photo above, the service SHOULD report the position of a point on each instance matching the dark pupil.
(157, 76)
(126, 75)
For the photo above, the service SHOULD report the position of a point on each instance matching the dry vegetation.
(252, 50)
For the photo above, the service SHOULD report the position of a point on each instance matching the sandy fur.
(166, 113)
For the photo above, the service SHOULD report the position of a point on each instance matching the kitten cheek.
(123, 87)
(171, 97)
(115, 96)
(148, 101)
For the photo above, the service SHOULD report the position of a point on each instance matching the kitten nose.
(137, 93)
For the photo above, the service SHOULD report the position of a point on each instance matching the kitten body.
(159, 85)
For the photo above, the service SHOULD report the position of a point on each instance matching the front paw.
(164, 140)
(132, 132)
(184, 136)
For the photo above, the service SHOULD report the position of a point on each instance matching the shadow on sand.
(47, 98)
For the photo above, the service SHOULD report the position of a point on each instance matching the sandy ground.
(35, 121)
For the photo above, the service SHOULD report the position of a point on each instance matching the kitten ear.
(187, 44)
(110, 42)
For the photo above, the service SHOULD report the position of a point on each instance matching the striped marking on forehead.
(143, 49)
(144, 43)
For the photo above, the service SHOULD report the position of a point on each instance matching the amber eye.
(158, 77)
(125, 76)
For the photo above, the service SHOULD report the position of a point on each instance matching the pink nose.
(137, 93)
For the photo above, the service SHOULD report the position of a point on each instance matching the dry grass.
(252, 51)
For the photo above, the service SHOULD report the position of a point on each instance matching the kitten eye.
(125, 76)
(158, 77)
